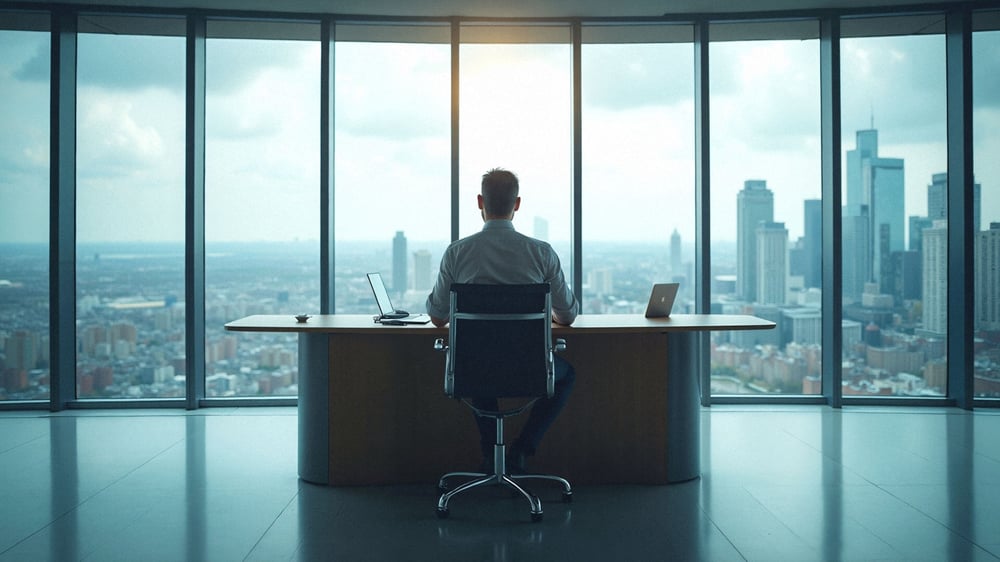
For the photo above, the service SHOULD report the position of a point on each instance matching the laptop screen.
(381, 295)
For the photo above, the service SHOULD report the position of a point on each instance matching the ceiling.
(512, 8)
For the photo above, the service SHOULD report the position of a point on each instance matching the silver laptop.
(661, 300)
(387, 313)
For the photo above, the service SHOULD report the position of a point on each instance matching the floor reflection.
(796, 483)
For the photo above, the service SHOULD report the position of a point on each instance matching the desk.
(372, 408)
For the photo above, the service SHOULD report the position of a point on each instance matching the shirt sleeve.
(439, 301)
(565, 307)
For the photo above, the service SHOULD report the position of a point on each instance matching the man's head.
(499, 195)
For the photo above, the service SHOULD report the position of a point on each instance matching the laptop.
(661, 300)
(387, 313)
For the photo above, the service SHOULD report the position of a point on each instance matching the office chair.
(499, 346)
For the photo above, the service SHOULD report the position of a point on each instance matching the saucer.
(302, 317)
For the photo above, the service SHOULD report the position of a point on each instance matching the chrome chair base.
(500, 476)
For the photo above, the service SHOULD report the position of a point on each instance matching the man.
(500, 255)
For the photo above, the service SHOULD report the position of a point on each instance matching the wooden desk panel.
(390, 421)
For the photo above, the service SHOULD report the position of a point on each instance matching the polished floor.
(778, 483)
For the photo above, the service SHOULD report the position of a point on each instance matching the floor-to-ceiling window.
(515, 107)
(638, 165)
(392, 162)
(392, 158)
(261, 198)
(894, 232)
(130, 208)
(24, 207)
(986, 202)
(765, 205)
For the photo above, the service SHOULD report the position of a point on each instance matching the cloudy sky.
(393, 133)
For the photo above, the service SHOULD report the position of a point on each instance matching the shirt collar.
(498, 224)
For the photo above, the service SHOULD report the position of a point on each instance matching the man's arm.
(439, 300)
(565, 307)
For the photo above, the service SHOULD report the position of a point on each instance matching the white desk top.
(585, 323)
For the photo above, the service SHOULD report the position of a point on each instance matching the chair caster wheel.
(567, 497)
(442, 513)
(536, 517)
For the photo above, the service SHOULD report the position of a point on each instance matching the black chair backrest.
(500, 340)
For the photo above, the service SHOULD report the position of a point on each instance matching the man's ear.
(479, 200)
(517, 203)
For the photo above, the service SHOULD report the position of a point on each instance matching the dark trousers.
(543, 413)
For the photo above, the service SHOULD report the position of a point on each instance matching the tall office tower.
(875, 183)
(754, 205)
(883, 275)
(422, 278)
(865, 147)
(917, 227)
(772, 262)
(601, 281)
(977, 210)
(675, 254)
(907, 276)
(22, 350)
(797, 259)
(937, 200)
(813, 242)
(884, 177)
(937, 197)
(856, 261)
(399, 272)
(987, 284)
(935, 273)
(541, 231)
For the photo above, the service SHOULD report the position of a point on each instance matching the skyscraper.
(917, 227)
(884, 179)
(937, 200)
(935, 282)
(937, 197)
(399, 272)
(675, 253)
(422, 279)
(907, 272)
(876, 183)
(865, 147)
(857, 255)
(754, 205)
(987, 284)
(772, 264)
(813, 242)
(541, 229)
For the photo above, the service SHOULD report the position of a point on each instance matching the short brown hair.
(499, 190)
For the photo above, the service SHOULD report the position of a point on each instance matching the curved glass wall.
(765, 206)
(392, 187)
(894, 227)
(515, 87)
(24, 208)
(392, 165)
(986, 203)
(130, 209)
(638, 166)
(261, 199)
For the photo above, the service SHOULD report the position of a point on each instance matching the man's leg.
(546, 410)
(487, 430)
